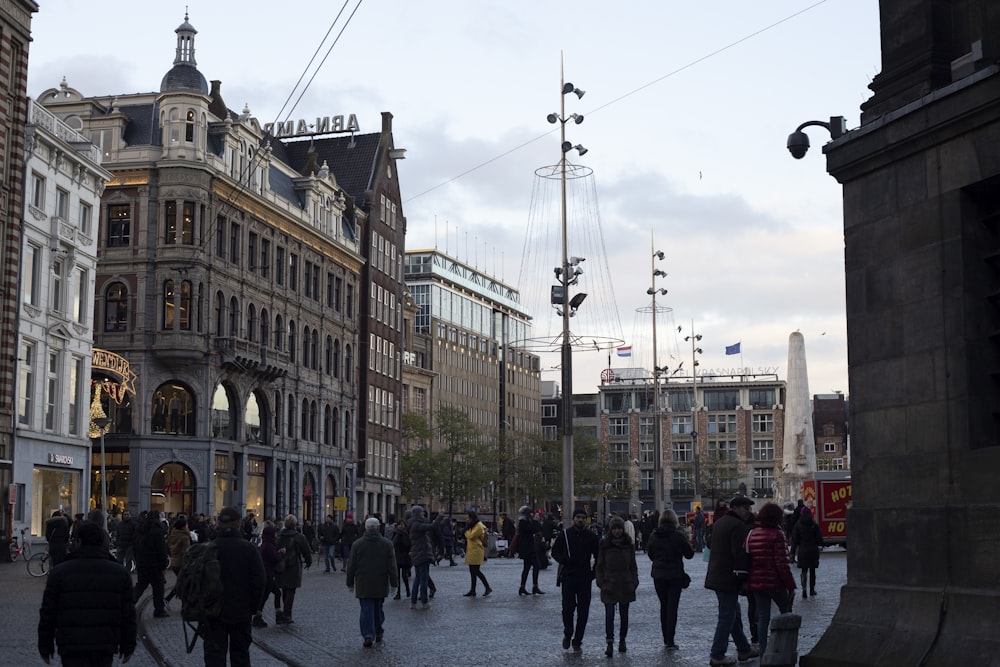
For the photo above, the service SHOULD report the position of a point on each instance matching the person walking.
(421, 555)
(178, 542)
(667, 548)
(349, 532)
(475, 552)
(527, 531)
(151, 559)
(807, 538)
(723, 577)
(371, 574)
(698, 525)
(329, 535)
(617, 578)
(297, 551)
(270, 555)
(770, 576)
(87, 607)
(125, 539)
(508, 529)
(574, 549)
(242, 574)
(57, 536)
(448, 537)
(401, 546)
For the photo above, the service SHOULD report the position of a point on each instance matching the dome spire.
(185, 43)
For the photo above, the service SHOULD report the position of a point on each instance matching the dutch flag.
(625, 351)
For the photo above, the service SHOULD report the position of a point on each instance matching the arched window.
(220, 314)
(328, 426)
(251, 323)
(290, 426)
(314, 350)
(223, 415)
(184, 306)
(348, 363)
(173, 409)
(168, 304)
(336, 358)
(174, 124)
(346, 442)
(305, 347)
(304, 420)
(277, 414)
(313, 421)
(291, 341)
(265, 327)
(200, 305)
(189, 127)
(279, 333)
(234, 317)
(328, 355)
(335, 427)
(255, 419)
(116, 307)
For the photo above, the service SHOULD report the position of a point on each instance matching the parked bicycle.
(20, 548)
(39, 565)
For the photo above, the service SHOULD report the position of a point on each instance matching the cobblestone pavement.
(456, 629)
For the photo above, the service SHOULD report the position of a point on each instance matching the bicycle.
(38, 565)
(20, 548)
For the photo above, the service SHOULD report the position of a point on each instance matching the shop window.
(172, 489)
(223, 424)
(173, 410)
(253, 419)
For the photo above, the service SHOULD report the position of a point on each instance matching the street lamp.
(567, 274)
(657, 426)
(696, 449)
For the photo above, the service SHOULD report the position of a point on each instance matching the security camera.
(798, 144)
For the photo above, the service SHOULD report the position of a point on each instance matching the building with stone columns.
(921, 184)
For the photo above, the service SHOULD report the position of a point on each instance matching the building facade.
(56, 320)
(15, 36)
(720, 436)
(227, 303)
(472, 319)
(830, 423)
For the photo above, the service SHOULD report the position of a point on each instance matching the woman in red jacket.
(770, 576)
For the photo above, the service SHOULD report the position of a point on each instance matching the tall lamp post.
(696, 449)
(99, 425)
(657, 426)
(567, 274)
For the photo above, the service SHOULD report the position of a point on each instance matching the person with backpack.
(371, 573)
(241, 574)
(151, 559)
(296, 550)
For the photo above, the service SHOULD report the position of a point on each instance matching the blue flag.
(733, 349)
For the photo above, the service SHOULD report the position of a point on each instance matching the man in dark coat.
(725, 578)
(329, 535)
(576, 550)
(349, 532)
(151, 560)
(371, 572)
(57, 535)
(243, 589)
(88, 604)
(125, 539)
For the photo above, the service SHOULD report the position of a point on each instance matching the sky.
(687, 109)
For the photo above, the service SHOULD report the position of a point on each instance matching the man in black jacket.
(576, 550)
(329, 535)
(151, 560)
(725, 577)
(243, 589)
(125, 539)
(88, 604)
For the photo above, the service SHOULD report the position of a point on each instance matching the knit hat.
(578, 512)
(228, 515)
(371, 523)
(416, 511)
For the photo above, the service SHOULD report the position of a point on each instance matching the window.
(829, 447)
(26, 383)
(618, 426)
(62, 204)
(80, 295)
(75, 394)
(722, 399)
(116, 308)
(52, 391)
(119, 226)
(618, 452)
(173, 410)
(252, 251)
(349, 309)
(234, 317)
(646, 426)
(622, 483)
(548, 410)
(37, 191)
(762, 399)
(170, 222)
(86, 216)
(234, 243)
(291, 341)
(682, 480)
(763, 478)
(169, 299)
(680, 424)
(220, 237)
(721, 450)
(680, 401)
(56, 295)
(617, 402)
(722, 423)
(763, 450)
(189, 127)
(32, 275)
(184, 306)
(265, 257)
(646, 480)
(550, 433)
(681, 451)
(187, 224)
(279, 265)
(646, 453)
(763, 422)
(293, 272)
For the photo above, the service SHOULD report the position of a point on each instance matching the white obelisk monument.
(799, 457)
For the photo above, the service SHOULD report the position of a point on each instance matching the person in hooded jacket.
(527, 532)
(401, 546)
(807, 538)
(770, 576)
(271, 556)
(617, 578)
(667, 548)
(57, 535)
(151, 559)
(372, 573)
(87, 607)
(297, 551)
(475, 553)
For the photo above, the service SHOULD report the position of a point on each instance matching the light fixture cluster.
(577, 118)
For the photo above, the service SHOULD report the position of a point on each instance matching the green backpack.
(199, 587)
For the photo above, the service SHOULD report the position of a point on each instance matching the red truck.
(828, 495)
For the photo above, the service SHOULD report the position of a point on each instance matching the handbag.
(685, 579)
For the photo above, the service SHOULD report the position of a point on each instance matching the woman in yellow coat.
(475, 552)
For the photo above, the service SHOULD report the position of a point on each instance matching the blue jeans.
(729, 623)
(329, 557)
(372, 616)
(421, 573)
(764, 612)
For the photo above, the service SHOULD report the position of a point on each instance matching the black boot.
(610, 650)
(537, 591)
(621, 645)
(522, 591)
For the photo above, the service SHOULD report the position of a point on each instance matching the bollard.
(783, 642)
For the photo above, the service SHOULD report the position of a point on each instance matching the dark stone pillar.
(921, 181)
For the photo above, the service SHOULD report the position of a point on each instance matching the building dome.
(184, 75)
